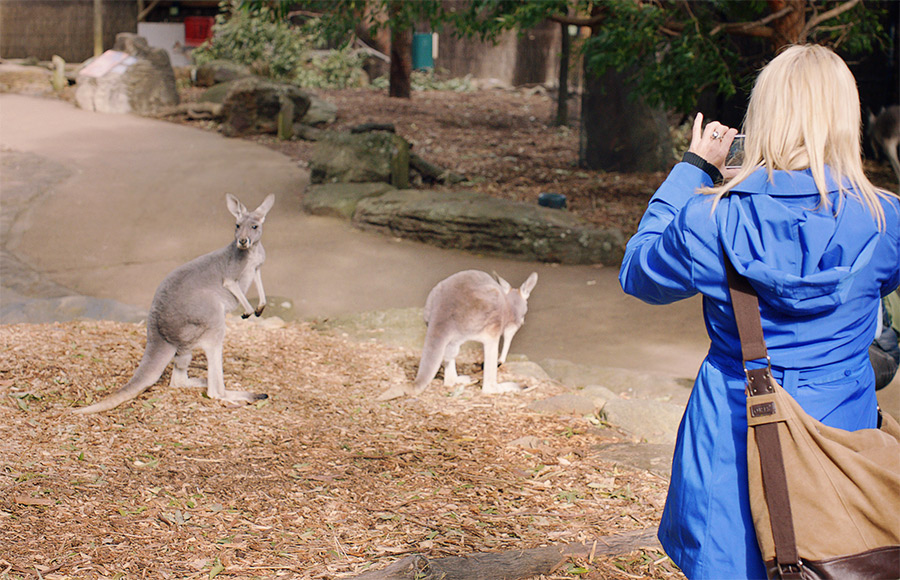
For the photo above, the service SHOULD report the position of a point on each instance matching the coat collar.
(786, 183)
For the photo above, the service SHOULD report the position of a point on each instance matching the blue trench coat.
(819, 272)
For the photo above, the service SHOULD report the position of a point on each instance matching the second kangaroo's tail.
(432, 356)
(155, 360)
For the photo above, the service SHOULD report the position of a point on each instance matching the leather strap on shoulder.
(753, 347)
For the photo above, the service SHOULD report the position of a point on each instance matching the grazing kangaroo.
(884, 134)
(189, 308)
(469, 305)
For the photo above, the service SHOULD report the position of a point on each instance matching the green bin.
(421, 51)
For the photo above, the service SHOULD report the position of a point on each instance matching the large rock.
(320, 112)
(141, 81)
(485, 224)
(252, 106)
(220, 71)
(340, 199)
(376, 156)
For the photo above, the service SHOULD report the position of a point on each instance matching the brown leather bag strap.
(753, 347)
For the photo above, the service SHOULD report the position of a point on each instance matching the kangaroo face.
(517, 299)
(518, 307)
(247, 232)
(248, 229)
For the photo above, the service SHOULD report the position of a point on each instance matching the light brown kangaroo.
(469, 305)
(188, 311)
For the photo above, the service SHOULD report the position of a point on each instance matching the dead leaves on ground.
(319, 481)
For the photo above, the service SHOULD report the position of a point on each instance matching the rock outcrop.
(130, 78)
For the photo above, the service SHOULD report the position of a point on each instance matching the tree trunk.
(619, 132)
(401, 60)
(562, 98)
(789, 28)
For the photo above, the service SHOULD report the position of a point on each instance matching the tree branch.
(756, 28)
(748, 27)
(580, 21)
(836, 11)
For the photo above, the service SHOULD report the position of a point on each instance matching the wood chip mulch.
(318, 481)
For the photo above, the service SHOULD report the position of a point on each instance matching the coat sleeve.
(892, 217)
(657, 267)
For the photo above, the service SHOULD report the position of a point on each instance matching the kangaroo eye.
(255, 227)
(237, 226)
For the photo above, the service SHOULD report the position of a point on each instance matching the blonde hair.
(804, 113)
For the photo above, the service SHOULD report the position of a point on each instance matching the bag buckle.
(758, 382)
(789, 571)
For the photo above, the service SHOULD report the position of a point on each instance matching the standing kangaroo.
(884, 135)
(189, 308)
(469, 305)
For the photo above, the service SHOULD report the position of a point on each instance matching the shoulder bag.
(825, 501)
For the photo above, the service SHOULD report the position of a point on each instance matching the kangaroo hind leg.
(489, 385)
(180, 378)
(215, 379)
(451, 379)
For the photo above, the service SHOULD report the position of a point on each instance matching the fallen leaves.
(321, 481)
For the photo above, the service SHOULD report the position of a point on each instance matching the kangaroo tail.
(432, 356)
(155, 360)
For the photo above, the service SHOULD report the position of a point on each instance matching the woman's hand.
(712, 143)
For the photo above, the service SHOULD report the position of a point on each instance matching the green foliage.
(256, 34)
(673, 51)
(670, 49)
(429, 80)
(666, 69)
(332, 69)
(486, 19)
(339, 19)
(258, 39)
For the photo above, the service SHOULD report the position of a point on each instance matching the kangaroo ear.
(236, 208)
(265, 206)
(528, 285)
(504, 285)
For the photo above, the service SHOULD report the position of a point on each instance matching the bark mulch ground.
(318, 481)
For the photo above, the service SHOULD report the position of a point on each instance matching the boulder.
(320, 112)
(130, 78)
(339, 199)
(376, 156)
(215, 72)
(252, 105)
(481, 223)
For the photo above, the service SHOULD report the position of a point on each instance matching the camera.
(735, 157)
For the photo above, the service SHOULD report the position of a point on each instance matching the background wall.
(42, 28)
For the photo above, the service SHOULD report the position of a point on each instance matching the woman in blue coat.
(820, 245)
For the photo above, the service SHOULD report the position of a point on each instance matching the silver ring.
(715, 134)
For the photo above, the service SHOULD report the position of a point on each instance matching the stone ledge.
(470, 221)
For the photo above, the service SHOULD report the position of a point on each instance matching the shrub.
(258, 39)
(266, 42)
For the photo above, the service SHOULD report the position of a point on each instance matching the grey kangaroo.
(884, 134)
(469, 305)
(188, 311)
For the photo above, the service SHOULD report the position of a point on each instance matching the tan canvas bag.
(825, 501)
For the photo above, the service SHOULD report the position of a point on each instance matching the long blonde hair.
(804, 113)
